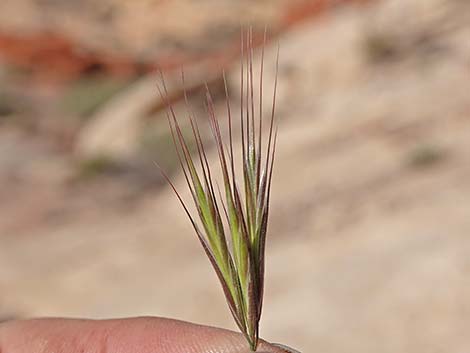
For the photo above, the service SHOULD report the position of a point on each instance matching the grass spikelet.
(231, 224)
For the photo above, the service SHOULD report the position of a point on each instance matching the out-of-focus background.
(369, 239)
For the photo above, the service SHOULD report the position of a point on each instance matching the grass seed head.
(232, 223)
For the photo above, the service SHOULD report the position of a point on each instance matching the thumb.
(135, 335)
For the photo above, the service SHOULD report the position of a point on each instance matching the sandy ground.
(369, 241)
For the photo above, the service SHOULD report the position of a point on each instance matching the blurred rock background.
(369, 247)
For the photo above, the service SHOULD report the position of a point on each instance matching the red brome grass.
(233, 221)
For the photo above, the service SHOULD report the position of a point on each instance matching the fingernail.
(285, 348)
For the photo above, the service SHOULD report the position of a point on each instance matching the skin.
(134, 335)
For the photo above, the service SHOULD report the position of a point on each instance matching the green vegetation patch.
(85, 96)
(96, 166)
(425, 155)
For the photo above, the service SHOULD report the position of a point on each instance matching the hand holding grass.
(135, 335)
(232, 230)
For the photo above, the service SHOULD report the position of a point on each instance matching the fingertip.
(137, 335)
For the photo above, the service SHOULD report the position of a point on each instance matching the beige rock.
(113, 131)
